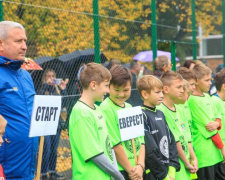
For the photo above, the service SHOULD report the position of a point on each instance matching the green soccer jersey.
(203, 111)
(185, 114)
(88, 138)
(110, 111)
(220, 106)
(179, 129)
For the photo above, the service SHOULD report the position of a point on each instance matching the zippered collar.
(14, 65)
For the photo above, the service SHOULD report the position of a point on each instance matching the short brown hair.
(93, 72)
(160, 62)
(148, 83)
(188, 63)
(120, 76)
(220, 79)
(187, 74)
(169, 76)
(185, 85)
(201, 70)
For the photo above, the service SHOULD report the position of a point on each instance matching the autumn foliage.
(57, 27)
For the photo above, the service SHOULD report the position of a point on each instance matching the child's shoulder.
(81, 109)
(152, 113)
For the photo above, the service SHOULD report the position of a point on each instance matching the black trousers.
(215, 172)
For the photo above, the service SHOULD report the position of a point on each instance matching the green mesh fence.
(61, 37)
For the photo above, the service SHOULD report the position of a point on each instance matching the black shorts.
(215, 172)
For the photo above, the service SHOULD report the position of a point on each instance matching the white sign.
(131, 123)
(45, 115)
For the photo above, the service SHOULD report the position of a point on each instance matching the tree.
(57, 27)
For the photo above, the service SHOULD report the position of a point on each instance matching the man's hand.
(213, 125)
(136, 173)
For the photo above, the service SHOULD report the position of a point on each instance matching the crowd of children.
(183, 126)
(184, 137)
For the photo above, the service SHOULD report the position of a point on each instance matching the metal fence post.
(96, 31)
(154, 31)
(223, 22)
(194, 46)
(173, 55)
(1, 11)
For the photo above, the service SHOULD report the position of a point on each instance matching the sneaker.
(56, 176)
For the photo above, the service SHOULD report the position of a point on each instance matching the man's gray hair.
(6, 26)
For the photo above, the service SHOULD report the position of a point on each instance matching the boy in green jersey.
(219, 101)
(173, 91)
(92, 154)
(185, 115)
(120, 90)
(161, 159)
(191, 79)
(207, 143)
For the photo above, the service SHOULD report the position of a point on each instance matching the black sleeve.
(174, 159)
(43, 89)
(153, 160)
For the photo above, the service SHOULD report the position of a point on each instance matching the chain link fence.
(61, 40)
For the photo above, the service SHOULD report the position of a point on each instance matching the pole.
(96, 31)
(154, 31)
(134, 150)
(40, 153)
(1, 11)
(223, 22)
(173, 55)
(194, 46)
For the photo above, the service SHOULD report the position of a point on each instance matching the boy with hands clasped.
(120, 90)
(173, 91)
(161, 157)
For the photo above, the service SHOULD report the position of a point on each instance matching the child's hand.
(223, 153)
(189, 166)
(213, 125)
(172, 178)
(136, 173)
(195, 164)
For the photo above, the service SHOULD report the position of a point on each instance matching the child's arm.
(122, 158)
(174, 164)
(214, 125)
(183, 157)
(139, 169)
(194, 160)
(219, 143)
(103, 163)
(153, 159)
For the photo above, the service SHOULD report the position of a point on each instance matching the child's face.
(120, 94)
(154, 98)
(2, 131)
(184, 97)
(101, 90)
(175, 90)
(192, 85)
(204, 83)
